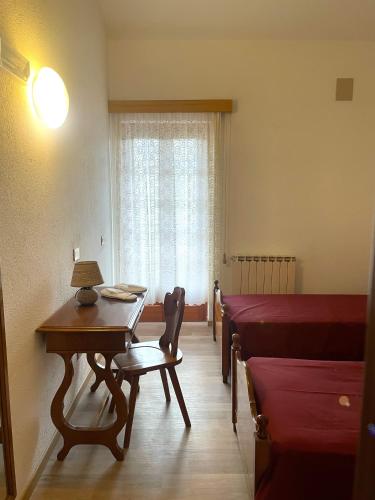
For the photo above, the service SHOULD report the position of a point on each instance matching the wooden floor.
(164, 461)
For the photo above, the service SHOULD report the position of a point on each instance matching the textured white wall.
(54, 195)
(302, 165)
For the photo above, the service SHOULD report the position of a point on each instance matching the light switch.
(76, 255)
(102, 241)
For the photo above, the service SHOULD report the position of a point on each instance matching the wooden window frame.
(154, 313)
(171, 106)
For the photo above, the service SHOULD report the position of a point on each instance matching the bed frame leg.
(225, 345)
(216, 288)
(236, 354)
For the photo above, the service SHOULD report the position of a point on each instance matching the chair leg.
(180, 398)
(129, 380)
(119, 380)
(132, 400)
(164, 379)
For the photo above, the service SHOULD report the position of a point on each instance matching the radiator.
(259, 274)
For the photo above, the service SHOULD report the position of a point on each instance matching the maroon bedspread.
(314, 437)
(299, 326)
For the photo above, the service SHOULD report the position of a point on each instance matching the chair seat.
(146, 356)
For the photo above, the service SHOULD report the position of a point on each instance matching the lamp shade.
(86, 274)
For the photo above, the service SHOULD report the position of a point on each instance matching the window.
(164, 182)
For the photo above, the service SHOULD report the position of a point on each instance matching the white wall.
(54, 195)
(302, 165)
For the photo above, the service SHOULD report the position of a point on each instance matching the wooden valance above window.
(175, 106)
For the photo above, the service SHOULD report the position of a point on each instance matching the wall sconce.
(13, 61)
(47, 91)
(50, 97)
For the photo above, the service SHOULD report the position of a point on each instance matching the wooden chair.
(159, 355)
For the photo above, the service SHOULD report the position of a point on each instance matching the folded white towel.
(115, 293)
(131, 288)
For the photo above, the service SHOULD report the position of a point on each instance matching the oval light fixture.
(50, 97)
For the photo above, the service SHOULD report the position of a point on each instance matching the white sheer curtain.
(167, 192)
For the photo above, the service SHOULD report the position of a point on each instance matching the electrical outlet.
(76, 255)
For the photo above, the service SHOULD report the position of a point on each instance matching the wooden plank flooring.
(165, 461)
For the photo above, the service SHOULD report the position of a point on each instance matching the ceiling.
(240, 19)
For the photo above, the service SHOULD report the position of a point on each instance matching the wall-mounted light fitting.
(13, 61)
(50, 97)
(46, 89)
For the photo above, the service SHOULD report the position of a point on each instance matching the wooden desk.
(106, 328)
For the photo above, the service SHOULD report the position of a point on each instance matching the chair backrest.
(174, 306)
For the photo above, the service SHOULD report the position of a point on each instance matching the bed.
(298, 426)
(300, 326)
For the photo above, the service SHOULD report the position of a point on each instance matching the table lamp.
(86, 274)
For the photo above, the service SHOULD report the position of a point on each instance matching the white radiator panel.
(262, 275)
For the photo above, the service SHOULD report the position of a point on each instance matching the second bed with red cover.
(313, 409)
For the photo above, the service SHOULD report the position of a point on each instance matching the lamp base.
(87, 296)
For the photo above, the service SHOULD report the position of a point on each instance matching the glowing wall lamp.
(47, 90)
(13, 61)
(50, 97)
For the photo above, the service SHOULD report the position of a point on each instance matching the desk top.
(106, 315)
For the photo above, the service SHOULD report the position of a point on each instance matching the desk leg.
(74, 435)
(97, 369)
